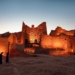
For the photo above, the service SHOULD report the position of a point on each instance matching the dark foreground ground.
(40, 65)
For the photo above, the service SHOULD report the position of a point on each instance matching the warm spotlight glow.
(57, 52)
(3, 49)
(32, 39)
(29, 50)
(35, 45)
(72, 51)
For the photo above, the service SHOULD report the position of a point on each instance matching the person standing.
(1, 57)
(7, 57)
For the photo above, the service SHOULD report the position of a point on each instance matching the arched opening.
(26, 44)
(35, 41)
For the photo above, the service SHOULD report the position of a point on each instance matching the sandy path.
(15, 69)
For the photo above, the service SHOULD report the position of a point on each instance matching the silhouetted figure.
(7, 57)
(1, 57)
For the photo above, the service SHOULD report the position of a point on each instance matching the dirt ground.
(40, 65)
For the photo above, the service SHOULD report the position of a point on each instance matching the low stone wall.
(19, 47)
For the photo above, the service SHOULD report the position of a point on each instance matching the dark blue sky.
(53, 12)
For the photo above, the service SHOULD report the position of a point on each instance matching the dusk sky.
(53, 12)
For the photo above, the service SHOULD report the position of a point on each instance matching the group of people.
(7, 57)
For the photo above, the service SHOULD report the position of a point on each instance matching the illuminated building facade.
(59, 40)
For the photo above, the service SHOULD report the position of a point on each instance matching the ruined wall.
(71, 33)
(16, 41)
(42, 28)
(4, 46)
(34, 33)
(17, 38)
(56, 42)
(58, 38)
(5, 35)
(60, 30)
(72, 42)
(12, 38)
(16, 50)
(15, 44)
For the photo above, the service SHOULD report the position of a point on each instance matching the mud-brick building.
(33, 34)
(19, 40)
(59, 41)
